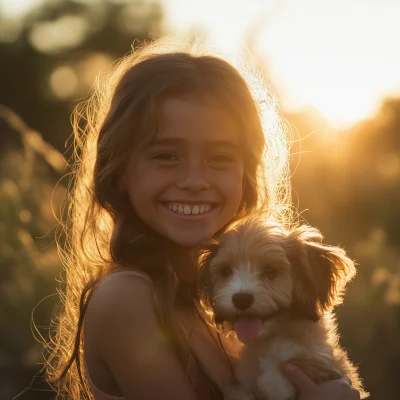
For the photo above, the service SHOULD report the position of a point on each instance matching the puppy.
(276, 289)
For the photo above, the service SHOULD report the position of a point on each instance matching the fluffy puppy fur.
(294, 282)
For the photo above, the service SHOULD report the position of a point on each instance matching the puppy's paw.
(238, 392)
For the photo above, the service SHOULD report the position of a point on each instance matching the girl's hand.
(339, 389)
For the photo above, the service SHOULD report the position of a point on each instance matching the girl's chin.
(188, 242)
(189, 239)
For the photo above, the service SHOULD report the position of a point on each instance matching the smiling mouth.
(190, 209)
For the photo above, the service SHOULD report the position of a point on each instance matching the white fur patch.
(272, 384)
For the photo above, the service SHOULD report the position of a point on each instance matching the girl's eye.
(269, 272)
(222, 158)
(166, 157)
(225, 271)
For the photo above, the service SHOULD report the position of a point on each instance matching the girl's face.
(187, 183)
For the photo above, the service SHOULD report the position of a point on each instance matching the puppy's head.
(257, 270)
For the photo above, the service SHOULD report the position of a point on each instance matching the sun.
(337, 89)
(323, 54)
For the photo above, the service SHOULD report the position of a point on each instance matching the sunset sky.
(342, 56)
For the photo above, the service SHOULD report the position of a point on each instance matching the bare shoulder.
(124, 291)
(115, 309)
(124, 329)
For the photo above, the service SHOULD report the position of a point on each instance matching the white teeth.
(195, 210)
(188, 209)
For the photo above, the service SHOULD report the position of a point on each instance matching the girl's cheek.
(234, 179)
(234, 188)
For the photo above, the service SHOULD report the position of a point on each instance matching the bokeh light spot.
(62, 34)
(95, 64)
(380, 275)
(25, 216)
(63, 82)
(134, 17)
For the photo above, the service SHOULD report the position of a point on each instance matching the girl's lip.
(192, 202)
(191, 217)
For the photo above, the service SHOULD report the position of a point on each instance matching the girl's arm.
(123, 329)
(339, 389)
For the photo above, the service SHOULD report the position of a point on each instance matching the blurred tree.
(352, 174)
(29, 260)
(61, 46)
(48, 61)
(374, 171)
(349, 183)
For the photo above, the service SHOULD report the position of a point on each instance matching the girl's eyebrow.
(181, 142)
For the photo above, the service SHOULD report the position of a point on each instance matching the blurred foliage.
(347, 182)
(49, 59)
(53, 54)
(29, 261)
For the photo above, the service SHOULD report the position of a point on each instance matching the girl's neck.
(183, 263)
(180, 258)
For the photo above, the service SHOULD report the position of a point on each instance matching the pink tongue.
(247, 327)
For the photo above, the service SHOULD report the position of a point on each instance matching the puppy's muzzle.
(242, 301)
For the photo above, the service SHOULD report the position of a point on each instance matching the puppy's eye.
(226, 271)
(269, 272)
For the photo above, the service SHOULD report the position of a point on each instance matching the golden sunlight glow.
(341, 91)
(338, 56)
(16, 8)
(224, 21)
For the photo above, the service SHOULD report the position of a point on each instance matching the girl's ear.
(320, 273)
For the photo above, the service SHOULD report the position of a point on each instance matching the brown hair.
(103, 231)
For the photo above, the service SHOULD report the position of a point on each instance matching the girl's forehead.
(197, 119)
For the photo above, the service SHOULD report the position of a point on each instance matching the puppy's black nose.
(242, 300)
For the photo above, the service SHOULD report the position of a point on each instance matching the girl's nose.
(193, 178)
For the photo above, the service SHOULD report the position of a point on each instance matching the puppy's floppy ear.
(320, 272)
(206, 254)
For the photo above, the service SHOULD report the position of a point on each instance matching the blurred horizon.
(337, 57)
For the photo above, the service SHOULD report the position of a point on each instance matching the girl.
(176, 147)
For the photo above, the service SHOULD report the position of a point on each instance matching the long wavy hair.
(102, 231)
